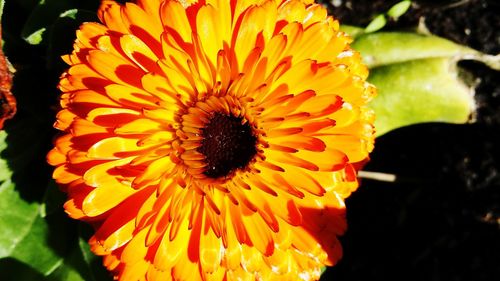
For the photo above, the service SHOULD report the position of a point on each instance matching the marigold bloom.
(8, 104)
(212, 140)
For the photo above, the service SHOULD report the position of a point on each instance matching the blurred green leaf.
(5, 172)
(419, 91)
(399, 9)
(376, 24)
(353, 31)
(2, 4)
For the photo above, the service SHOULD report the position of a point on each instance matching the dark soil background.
(441, 219)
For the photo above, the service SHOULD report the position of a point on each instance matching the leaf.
(2, 4)
(5, 172)
(16, 218)
(399, 9)
(418, 91)
(417, 78)
(27, 238)
(353, 31)
(24, 232)
(383, 48)
(38, 245)
(376, 24)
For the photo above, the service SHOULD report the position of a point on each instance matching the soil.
(441, 219)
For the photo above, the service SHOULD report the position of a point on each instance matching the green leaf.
(419, 91)
(376, 24)
(39, 245)
(385, 48)
(352, 31)
(16, 218)
(417, 78)
(24, 232)
(399, 9)
(26, 238)
(5, 171)
(2, 4)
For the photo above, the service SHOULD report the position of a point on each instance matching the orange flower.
(8, 104)
(212, 140)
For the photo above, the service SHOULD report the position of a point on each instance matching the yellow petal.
(155, 171)
(140, 126)
(110, 148)
(105, 197)
(99, 174)
(142, 25)
(137, 51)
(169, 251)
(136, 249)
(115, 68)
(211, 249)
(259, 234)
(175, 20)
(108, 12)
(131, 97)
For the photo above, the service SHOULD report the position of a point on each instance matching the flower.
(212, 140)
(8, 104)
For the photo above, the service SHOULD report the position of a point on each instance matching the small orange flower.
(212, 140)
(8, 104)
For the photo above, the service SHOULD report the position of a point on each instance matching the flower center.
(228, 144)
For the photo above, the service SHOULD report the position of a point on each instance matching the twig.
(377, 176)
